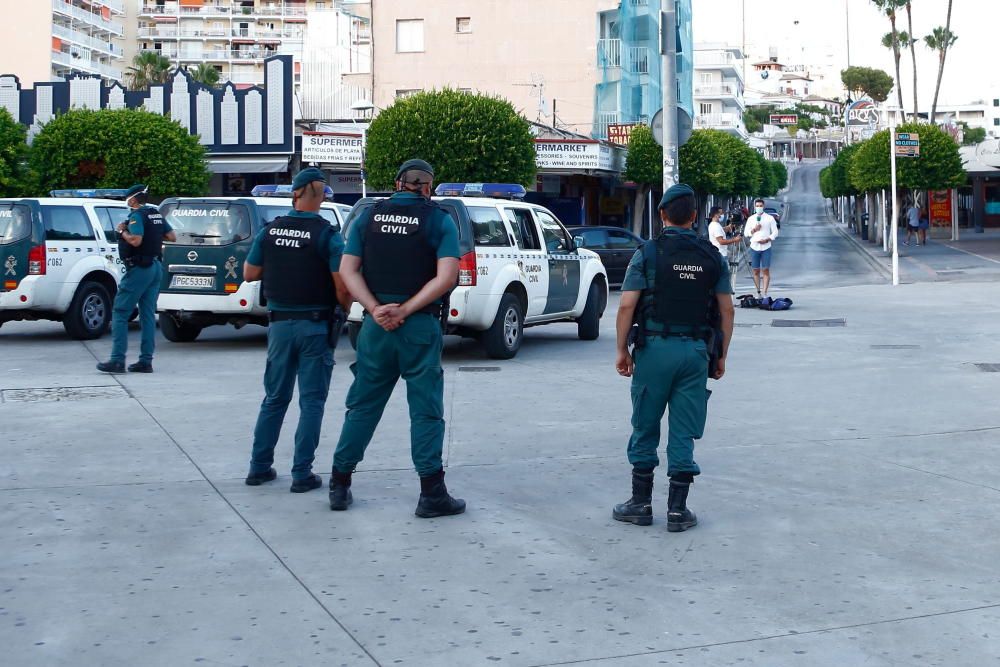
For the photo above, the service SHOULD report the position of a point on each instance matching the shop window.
(410, 36)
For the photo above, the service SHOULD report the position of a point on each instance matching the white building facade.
(718, 89)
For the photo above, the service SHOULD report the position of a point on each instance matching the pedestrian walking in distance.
(296, 257)
(401, 259)
(140, 248)
(672, 288)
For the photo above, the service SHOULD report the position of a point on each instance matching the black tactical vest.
(151, 248)
(398, 256)
(296, 261)
(687, 270)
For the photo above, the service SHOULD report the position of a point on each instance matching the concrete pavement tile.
(86, 442)
(150, 575)
(795, 540)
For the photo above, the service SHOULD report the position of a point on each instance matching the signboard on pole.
(784, 120)
(331, 148)
(907, 144)
(940, 208)
(577, 154)
(620, 133)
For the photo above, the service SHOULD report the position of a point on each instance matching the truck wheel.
(89, 314)
(178, 332)
(503, 339)
(588, 327)
(353, 331)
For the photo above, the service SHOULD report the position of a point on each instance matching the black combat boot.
(434, 499)
(679, 517)
(340, 491)
(638, 509)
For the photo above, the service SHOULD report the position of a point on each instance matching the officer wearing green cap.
(140, 248)
(297, 258)
(672, 287)
(401, 259)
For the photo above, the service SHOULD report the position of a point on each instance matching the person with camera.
(676, 310)
(718, 234)
(297, 259)
(140, 248)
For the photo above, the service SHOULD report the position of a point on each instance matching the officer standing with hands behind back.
(297, 257)
(140, 248)
(401, 259)
(670, 289)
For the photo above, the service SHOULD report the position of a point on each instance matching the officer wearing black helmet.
(401, 259)
(297, 257)
(671, 288)
(140, 248)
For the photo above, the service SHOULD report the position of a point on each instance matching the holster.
(338, 318)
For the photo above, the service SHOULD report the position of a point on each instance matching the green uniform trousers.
(140, 286)
(669, 371)
(412, 352)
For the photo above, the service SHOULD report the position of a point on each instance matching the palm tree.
(940, 40)
(205, 74)
(890, 7)
(897, 43)
(913, 55)
(148, 68)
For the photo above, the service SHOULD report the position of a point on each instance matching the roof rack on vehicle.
(91, 193)
(494, 190)
(283, 191)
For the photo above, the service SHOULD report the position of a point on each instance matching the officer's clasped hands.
(389, 316)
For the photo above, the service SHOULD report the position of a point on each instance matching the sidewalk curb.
(860, 247)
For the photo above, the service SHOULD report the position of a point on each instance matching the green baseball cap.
(676, 192)
(414, 165)
(135, 189)
(307, 176)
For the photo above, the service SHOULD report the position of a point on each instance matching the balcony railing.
(603, 120)
(609, 52)
(113, 5)
(717, 90)
(70, 35)
(719, 121)
(638, 59)
(90, 18)
(89, 66)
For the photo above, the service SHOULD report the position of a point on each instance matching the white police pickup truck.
(59, 259)
(518, 268)
(203, 269)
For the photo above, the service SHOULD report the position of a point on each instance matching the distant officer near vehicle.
(297, 258)
(401, 259)
(761, 228)
(140, 248)
(673, 287)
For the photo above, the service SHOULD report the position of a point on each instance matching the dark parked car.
(774, 213)
(614, 245)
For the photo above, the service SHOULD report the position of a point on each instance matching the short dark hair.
(680, 210)
(140, 198)
(713, 211)
(758, 200)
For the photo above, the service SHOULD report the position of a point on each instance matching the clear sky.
(971, 71)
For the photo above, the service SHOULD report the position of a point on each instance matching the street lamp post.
(363, 105)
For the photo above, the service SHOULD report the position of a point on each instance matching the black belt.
(694, 335)
(310, 315)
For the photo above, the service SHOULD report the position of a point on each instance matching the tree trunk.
(937, 88)
(638, 210)
(896, 55)
(913, 57)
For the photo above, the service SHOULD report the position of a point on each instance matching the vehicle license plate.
(197, 282)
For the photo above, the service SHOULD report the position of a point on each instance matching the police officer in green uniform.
(140, 248)
(401, 259)
(669, 290)
(296, 257)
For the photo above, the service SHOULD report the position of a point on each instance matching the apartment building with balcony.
(45, 40)
(718, 89)
(235, 36)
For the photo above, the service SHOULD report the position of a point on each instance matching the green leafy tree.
(148, 68)
(768, 179)
(13, 156)
(643, 165)
(940, 40)
(704, 164)
(825, 185)
(939, 166)
(746, 170)
(893, 40)
(751, 122)
(840, 182)
(465, 137)
(972, 135)
(109, 148)
(206, 75)
(869, 168)
(779, 173)
(869, 81)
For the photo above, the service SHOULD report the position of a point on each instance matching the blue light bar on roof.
(495, 190)
(91, 193)
(283, 191)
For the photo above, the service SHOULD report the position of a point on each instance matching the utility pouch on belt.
(636, 337)
(715, 337)
(445, 307)
(338, 318)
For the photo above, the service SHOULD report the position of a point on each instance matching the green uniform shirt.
(136, 227)
(333, 252)
(442, 232)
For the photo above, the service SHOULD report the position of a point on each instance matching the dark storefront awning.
(248, 165)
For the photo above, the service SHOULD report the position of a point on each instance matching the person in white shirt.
(761, 229)
(717, 233)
